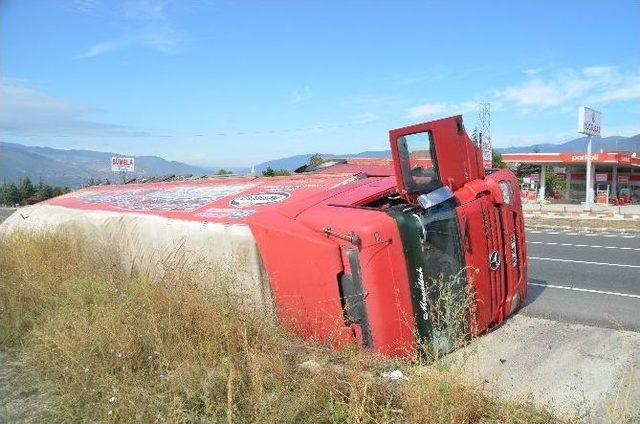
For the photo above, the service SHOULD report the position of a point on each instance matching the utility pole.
(484, 136)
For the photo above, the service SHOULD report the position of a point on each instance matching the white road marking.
(550, 243)
(582, 262)
(552, 286)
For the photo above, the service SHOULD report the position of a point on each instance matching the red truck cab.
(360, 262)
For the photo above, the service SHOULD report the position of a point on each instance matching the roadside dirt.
(20, 400)
(588, 374)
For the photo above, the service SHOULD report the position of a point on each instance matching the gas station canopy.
(616, 177)
(627, 159)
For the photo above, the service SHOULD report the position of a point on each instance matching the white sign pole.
(589, 179)
(589, 123)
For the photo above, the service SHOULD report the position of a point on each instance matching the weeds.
(452, 311)
(114, 346)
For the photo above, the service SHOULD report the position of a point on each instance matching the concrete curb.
(583, 215)
(586, 229)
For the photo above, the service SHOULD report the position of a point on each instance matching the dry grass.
(112, 346)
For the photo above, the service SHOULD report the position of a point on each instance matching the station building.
(616, 175)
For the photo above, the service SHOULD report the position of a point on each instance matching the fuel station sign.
(589, 121)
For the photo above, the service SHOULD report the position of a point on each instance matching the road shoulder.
(574, 369)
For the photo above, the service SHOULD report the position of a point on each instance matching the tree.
(58, 191)
(27, 190)
(536, 149)
(553, 184)
(496, 159)
(526, 169)
(315, 160)
(25, 193)
(270, 172)
(11, 194)
(223, 171)
(44, 192)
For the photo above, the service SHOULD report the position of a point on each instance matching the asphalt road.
(587, 277)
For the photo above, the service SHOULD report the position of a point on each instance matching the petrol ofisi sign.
(589, 121)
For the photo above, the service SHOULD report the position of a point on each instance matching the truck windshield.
(440, 242)
(431, 241)
(419, 170)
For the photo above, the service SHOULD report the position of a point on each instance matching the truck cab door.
(432, 155)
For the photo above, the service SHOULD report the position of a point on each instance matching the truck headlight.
(507, 191)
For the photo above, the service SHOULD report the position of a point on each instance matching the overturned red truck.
(341, 254)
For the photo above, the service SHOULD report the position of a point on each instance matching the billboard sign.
(601, 178)
(623, 179)
(589, 121)
(535, 177)
(122, 164)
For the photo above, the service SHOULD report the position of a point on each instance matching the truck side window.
(418, 165)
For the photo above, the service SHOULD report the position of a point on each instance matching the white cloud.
(298, 96)
(628, 90)
(153, 30)
(26, 110)
(431, 109)
(426, 109)
(99, 48)
(569, 87)
(532, 71)
(85, 7)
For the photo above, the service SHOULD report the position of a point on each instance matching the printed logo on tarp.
(258, 199)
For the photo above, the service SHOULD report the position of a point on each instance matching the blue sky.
(228, 83)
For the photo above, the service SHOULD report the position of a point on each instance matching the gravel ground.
(578, 371)
(20, 400)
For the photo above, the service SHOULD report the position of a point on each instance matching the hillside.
(73, 168)
(576, 145)
(293, 162)
(579, 144)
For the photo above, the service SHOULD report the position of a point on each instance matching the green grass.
(111, 346)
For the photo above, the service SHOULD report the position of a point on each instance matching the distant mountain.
(73, 168)
(607, 144)
(293, 162)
